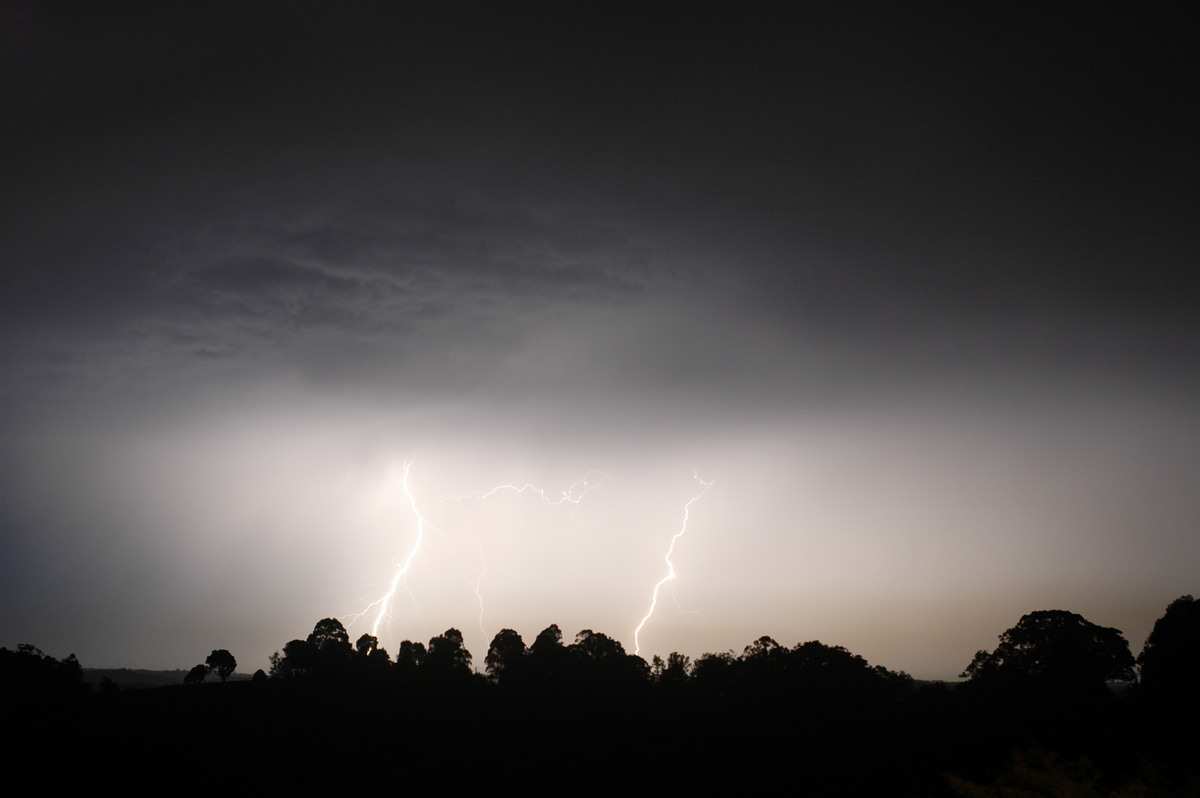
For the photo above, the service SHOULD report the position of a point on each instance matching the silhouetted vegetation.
(1055, 651)
(198, 673)
(222, 663)
(27, 676)
(1034, 717)
(1169, 664)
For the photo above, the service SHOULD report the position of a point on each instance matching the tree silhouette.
(1057, 650)
(298, 657)
(29, 673)
(596, 646)
(548, 642)
(824, 670)
(327, 650)
(762, 649)
(222, 663)
(505, 654)
(675, 669)
(447, 655)
(329, 635)
(678, 669)
(601, 661)
(196, 674)
(370, 654)
(713, 670)
(365, 644)
(547, 662)
(1170, 661)
(410, 656)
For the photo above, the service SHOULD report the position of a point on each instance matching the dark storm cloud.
(857, 162)
(265, 287)
(402, 264)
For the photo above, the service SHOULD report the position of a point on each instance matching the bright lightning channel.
(687, 508)
(382, 606)
(572, 495)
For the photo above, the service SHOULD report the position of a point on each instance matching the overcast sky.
(914, 288)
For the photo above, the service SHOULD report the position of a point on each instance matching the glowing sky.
(916, 290)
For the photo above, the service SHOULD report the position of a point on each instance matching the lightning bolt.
(382, 606)
(479, 593)
(572, 495)
(687, 509)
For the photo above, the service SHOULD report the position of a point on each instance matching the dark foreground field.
(475, 736)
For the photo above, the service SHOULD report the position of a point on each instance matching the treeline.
(1038, 715)
(593, 663)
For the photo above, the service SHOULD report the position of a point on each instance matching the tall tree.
(222, 663)
(447, 655)
(1170, 661)
(596, 646)
(677, 670)
(1055, 649)
(410, 656)
(505, 654)
(326, 650)
(548, 642)
(330, 635)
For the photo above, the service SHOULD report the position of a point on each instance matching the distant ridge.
(137, 678)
